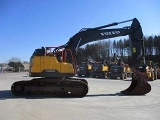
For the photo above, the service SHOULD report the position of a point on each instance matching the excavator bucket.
(139, 85)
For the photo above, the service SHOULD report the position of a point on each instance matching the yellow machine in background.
(99, 69)
(84, 69)
(151, 70)
(127, 70)
(119, 69)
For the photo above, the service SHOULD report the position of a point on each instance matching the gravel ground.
(103, 102)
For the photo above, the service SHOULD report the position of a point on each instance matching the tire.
(158, 75)
(155, 75)
(125, 76)
(152, 77)
(122, 77)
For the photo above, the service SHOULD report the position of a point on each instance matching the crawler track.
(68, 87)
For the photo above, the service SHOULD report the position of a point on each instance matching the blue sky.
(29, 24)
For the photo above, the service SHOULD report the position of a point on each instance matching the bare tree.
(14, 59)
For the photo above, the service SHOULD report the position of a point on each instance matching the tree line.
(107, 49)
(122, 48)
(14, 65)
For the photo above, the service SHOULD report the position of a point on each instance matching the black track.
(68, 87)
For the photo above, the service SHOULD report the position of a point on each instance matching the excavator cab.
(51, 62)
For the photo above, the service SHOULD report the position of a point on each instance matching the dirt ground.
(103, 102)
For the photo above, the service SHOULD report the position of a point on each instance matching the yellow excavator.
(53, 68)
(118, 68)
(100, 69)
(85, 67)
(151, 70)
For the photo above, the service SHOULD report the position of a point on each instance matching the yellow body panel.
(89, 67)
(127, 69)
(149, 72)
(40, 63)
(105, 68)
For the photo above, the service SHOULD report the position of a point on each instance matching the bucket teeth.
(139, 85)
